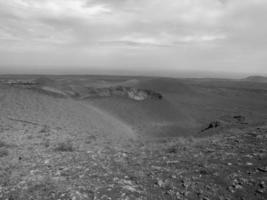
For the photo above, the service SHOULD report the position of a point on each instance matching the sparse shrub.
(30, 137)
(46, 143)
(64, 146)
(192, 140)
(172, 149)
(3, 152)
(3, 144)
(45, 129)
(90, 139)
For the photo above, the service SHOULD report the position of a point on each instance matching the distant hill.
(187, 107)
(259, 79)
(44, 81)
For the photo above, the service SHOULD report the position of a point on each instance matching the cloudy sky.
(65, 36)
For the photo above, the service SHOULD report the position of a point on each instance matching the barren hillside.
(204, 139)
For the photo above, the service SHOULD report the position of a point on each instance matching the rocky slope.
(120, 91)
(259, 79)
(228, 165)
(50, 86)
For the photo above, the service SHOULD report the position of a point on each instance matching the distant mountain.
(43, 80)
(259, 79)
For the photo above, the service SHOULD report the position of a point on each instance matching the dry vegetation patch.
(3, 149)
(65, 146)
(3, 144)
(3, 152)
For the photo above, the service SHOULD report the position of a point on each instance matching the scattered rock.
(171, 150)
(262, 169)
(64, 146)
(240, 118)
(212, 125)
(249, 164)
(160, 183)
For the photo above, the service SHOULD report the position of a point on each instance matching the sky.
(142, 36)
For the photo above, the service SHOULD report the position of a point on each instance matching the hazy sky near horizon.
(68, 35)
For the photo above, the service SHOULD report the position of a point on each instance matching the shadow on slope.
(68, 115)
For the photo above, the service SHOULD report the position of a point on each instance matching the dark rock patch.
(240, 119)
(212, 125)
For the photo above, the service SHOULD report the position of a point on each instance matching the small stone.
(231, 189)
(124, 155)
(262, 184)
(174, 176)
(238, 187)
(179, 195)
(262, 169)
(260, 191)
(160, 183)
(130, 188)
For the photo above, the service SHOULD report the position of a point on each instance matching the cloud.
(104, 19)
(165, 39)
(123, 27)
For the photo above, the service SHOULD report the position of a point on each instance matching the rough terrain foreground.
(232, 165)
